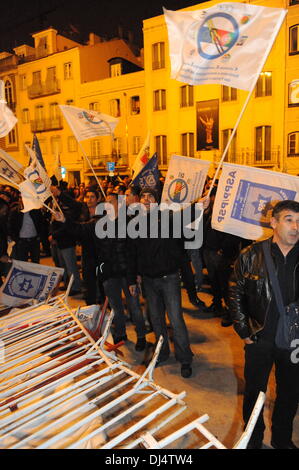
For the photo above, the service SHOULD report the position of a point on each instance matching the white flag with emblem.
(88, 123)
(10, 169)
(184, 180)
(27, 281)
(245, 198)
(226, 44)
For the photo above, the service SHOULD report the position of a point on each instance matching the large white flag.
(184, 180)
(35, 190)
(88, 123)
(27, 281)
(142, 157)
(245, 198)
(7, 117)
(226, 44)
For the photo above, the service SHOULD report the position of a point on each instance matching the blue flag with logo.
(149, 175)
(26, 281)
(38, 152)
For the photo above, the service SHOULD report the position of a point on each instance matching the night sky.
(18, 19)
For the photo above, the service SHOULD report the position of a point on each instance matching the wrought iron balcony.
(43, 125)
(100, 162)
(49, 87)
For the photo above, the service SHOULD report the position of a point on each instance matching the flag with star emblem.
(185, 179)
(10, 169)
(148, 177)
(245, 198)
(226, 44)
(26, 281)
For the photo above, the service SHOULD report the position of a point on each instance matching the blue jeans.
(68, 261)
(113, 288)
(164, 293)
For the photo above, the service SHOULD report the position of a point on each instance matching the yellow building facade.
(267, 136)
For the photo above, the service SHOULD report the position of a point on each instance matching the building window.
(158, 55)
(136, 144)
(187, 96)
(294, 93)
(115, 70)
(23, 82)
(161, 149)
(36, 78)
(56, 146)
(54, 111)
(187, 144)
(231, 155)
(293, 144)
(8, 92)
(51, 74)
(43, 145)
(293, 45)
(262, 144)
(96, 148)
(25, 116)
(117, 146)
(115, 107)
(95, 106)
(159, 100)
(68, 71)
(12, 137)
(70, 102)
(39, 112)
(72, 144)
(135, 105)
(228, 93)
(294, 2)
(264, 85)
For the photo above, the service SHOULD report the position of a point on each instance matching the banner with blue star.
(27, 281)
(246, 197)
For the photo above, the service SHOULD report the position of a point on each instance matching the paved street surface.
(216, 384)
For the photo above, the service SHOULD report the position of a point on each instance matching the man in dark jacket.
(255, 314)
(158, 260)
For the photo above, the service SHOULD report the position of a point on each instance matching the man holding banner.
(256, 320)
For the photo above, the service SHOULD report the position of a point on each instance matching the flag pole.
(91, 167)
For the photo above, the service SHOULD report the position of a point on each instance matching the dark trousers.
(27, 248)
(162, 294)
(93, 286)
(219, 270)
(259, 360)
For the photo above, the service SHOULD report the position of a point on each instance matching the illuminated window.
(294, 93)
(293, 144)
(95, 106)
(158, 55)
(232, 150)
(264, 85)
(115, 70)
(161, 149)
(135, 105)
(294, 42)
(25, 116)
(72, 144)
(56, 145)
(229, 93)
(159, 100)
(96, 148)
(68, 70)
(8, 92)
(12, 137)
(187, 96)
(136, 144)
(187, 141)
(262, 144)
(115, 107)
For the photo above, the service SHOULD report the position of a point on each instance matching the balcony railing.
(43, 125)
(8, 63)
(49, 87)
(249, 157)
(100, 162)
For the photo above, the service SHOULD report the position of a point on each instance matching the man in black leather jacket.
(255, 315)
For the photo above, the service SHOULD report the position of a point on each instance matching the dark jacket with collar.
(15, 221)
(250, 291)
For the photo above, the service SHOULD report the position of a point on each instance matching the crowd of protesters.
(122, 268)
